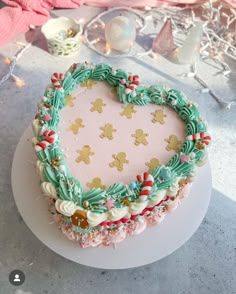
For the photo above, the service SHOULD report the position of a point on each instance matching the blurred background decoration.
(185, 34)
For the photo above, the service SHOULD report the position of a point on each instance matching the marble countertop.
(205, 264)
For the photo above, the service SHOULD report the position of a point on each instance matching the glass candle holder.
(63, 36)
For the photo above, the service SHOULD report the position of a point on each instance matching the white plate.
(153, 244)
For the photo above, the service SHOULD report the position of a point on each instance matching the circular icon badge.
(16, 278)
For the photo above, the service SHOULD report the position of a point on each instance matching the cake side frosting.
(120, 207)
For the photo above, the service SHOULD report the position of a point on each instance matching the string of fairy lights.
(218, 41)
(12, 63)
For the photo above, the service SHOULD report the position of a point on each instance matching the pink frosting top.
(101, 148)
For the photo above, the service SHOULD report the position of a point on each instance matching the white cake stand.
(153, 244)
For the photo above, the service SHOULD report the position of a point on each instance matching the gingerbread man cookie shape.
(153, 163)
(107, 131)
(140, 137)
(88, 84)
(119, 161)
(79, 219)
(78, 123)
(128, 111)
(158, 116)
(84, 154)
(173, 143)
(96, 183)
(69, 100)
(98, 105)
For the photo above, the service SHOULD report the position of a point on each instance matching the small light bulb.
(81, 21)
(20, 44)
(148, 17)
(131, 44)
(82, 39)
(175, 53)
(153, 55)
(101, 23)
(32, 27)
(95, 41)
(19, 82)
(7, 60)
(107, 48)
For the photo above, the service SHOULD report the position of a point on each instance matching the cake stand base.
(153, 244)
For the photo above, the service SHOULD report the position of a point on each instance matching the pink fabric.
(22, 13)
(231, 2)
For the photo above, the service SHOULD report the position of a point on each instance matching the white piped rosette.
(160, 194)
(65, 207)
(118, 213)
(173, 189)
(36, 127)
(49, 190)
(94, 219)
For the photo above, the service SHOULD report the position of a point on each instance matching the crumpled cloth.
(20, 14)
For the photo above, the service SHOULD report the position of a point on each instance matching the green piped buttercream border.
(56, 170)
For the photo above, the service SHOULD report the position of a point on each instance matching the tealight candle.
(120, 33)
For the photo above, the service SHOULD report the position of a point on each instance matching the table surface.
(206, 263)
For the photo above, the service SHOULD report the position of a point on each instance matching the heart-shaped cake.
(106, 170)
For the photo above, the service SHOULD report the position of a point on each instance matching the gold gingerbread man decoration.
(76, 126)
(88, 84)
(153, 163)
(84, 154)
(159, 116)
(119, 161)
(173, 143)
(98, 105)
(95, 184)
(108, 131)
(69, 100)
(140, 137)
(128, 111)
